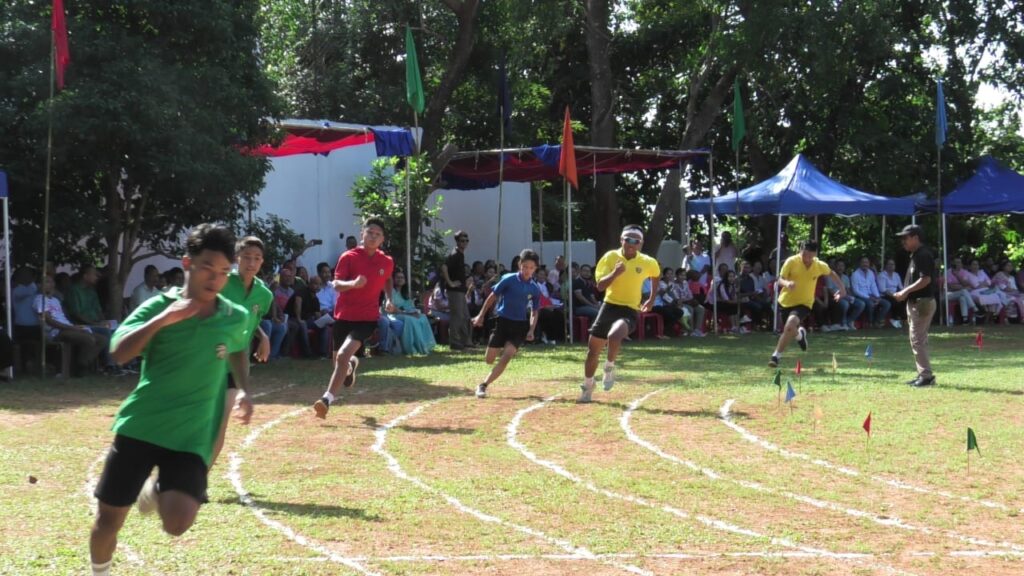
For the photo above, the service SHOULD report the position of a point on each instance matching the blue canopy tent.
(800, 188)
(993, 189)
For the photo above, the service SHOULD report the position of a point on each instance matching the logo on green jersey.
(222, 351)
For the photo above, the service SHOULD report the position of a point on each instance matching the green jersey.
(179, 401)
(256, 302)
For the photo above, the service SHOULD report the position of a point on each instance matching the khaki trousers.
(920, 315)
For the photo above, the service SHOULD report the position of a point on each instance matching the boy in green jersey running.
(186, 338)
(249, 292)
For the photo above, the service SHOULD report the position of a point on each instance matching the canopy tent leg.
(712, 284)
(568, 255)
(540, 218)
(778, 268)
(7, 277)
(881, 260)
(945, 266)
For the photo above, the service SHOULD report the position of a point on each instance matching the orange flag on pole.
(567, 159)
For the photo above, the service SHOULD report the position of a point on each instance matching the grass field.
(689, 465)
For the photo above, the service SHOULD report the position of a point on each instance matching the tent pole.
(540, 223)
(945, 266)
(817, 238)
(7, 277)
(778, 268)
(46, 202)
(711, 247)
(683, 228)
(408, 203)
(568, 264)
(881, 261)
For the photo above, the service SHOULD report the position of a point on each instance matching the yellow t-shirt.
(806, 278)
(626, 290)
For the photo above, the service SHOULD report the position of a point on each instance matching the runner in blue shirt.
(517, 316)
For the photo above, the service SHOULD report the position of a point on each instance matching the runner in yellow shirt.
(797, 280)
(620, 275)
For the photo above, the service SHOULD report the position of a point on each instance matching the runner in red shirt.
(361, 275)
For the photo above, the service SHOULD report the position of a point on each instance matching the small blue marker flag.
(790, 393)
(868, 352)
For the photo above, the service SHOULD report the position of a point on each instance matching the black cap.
(911, 230)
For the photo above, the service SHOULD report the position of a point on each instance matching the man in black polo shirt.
(453, 273)
(920, 296)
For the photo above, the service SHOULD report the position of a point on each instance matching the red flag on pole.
(867, 424)
(567, 159)
(799, 367)
(979, 340)
(60, 41)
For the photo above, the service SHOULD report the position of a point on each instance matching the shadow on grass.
(372, 423)
(311, 510)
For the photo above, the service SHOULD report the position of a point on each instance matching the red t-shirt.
(362, 304)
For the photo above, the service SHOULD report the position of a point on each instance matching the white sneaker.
(697, 334)
(851, 327)
(801, 338)
(481, 390)
(745, 319)
(609, 378)
(826, 328)
(147, 498)
(586, 395)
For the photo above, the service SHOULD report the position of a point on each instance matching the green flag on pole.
(413, 83)
(739, 125)
(972, 442)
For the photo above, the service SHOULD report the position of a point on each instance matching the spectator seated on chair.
(693, 311)
(959, 292)
(727, 294)
(551, 313)
(865, 288)
(985, 295)
(584, 296)
(147, 288)
(275, 326)
(753, 301)
(439, 307)
(1006, 283)
(306, 306)
(23, 291)
(410, 327)
(82, 304)
(889, 283)
(87, 343)
(848, 309)
(665, 303)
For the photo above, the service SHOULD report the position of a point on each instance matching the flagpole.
(46, 200)
(540, 223)
(942, 227)
(711, 246)
(408, 200)
(568, 259)
(501, 174)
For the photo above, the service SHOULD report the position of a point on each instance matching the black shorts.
(509, 332)
(358, 331)
(608, 315)
(231, 381)
(130, 462)
(800, 312)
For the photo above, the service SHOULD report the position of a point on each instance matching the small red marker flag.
(62, 55)
(979, 340)
(867, 424)
(799, 367)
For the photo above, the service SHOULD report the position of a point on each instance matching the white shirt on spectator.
(889, 282)
(864, 284)
(143, 293)
(54, 309)
(327, 296)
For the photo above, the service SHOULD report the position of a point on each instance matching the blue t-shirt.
(518, 296)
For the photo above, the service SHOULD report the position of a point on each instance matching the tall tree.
(145, 133)
(602, 120)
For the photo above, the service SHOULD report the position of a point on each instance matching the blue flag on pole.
(869, 353)
(940, 115)
(790, 393)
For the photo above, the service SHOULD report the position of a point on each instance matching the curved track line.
(706, 520)
(726, 419)
(757, 486)
(396, 468)
(235, 477)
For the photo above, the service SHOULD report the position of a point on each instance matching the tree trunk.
(437, 106)
(607, 220)
(701, 114)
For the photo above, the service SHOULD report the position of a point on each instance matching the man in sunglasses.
(620, 275)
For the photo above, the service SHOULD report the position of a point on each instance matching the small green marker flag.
(739, 124)
(777, 379)
(413, 83)
(972, 442)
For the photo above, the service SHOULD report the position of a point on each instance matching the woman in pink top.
(1007, 285)
(977, 281)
